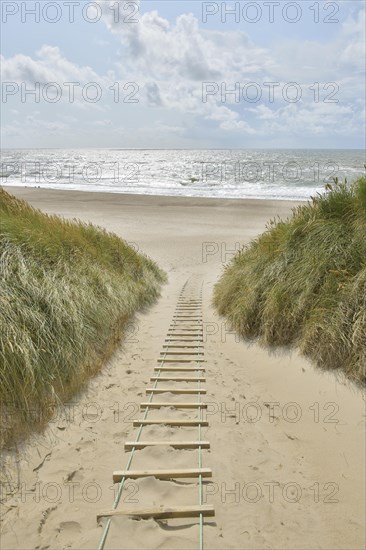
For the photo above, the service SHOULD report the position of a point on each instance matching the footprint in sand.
(45, 515)
(76, 475)
(72, 527)
(119, 438)
(85, 444)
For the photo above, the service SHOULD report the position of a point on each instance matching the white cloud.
(177, 57)
(170, 60)
(49, 66)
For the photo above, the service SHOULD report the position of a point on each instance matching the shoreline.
(44, 194)
(157, 195)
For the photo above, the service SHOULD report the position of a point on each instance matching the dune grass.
(303, 282)
(67, 292)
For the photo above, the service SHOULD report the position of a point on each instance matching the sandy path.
(285, 475)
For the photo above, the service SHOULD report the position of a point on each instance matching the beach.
(287, 450)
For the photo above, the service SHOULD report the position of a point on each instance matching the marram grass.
(303, 282)
(67, 290)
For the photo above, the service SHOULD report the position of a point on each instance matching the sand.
(287, 441)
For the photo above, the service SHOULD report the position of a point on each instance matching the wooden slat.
(161, 474)
(206, 510)
(172, 330)
(181, 361)
(183, 319)
(178, 337)
(196, 338)
(177, 378)
(188, 369)
(187, 320)
(181, 353)
(194, 335)
(175, 390)
(159, 405)
(188, 317)
(170, 422)
(182, 346)
(182, 327)
(189, 328)
(185, 324)
(188, 339)
(129, 445)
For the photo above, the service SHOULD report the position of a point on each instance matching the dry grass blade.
(303, 282)
(67, 291)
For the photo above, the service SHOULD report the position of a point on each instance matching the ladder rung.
(181, 338)
(188, 369)
(161, 474)
(193, 321)
(179, 323)
(185, 329)
(196, 310)
(180, 353)
(195, 336)
(198, 337)
(129, 445)
(177, 378)
(175, 346)
(172, 330)
(158, 405)
(169, 422)
(181, 361)
(182, 328)
(206, 510)
(188, 317)
(175, 390)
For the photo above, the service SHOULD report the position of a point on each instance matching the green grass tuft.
(67, 292)
(303, 282)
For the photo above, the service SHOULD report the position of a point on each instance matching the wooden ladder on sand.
(180, 365)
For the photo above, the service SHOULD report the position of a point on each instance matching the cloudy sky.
(162, 74)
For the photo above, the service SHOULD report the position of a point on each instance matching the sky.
(164, 74)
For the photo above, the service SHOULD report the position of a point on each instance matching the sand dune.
(287, 442)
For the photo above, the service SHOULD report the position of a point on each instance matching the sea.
(291, 174)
